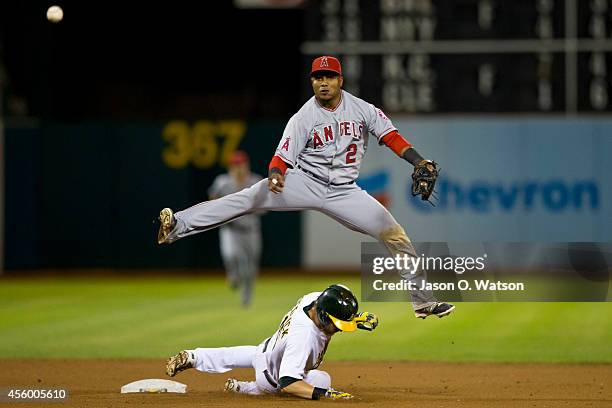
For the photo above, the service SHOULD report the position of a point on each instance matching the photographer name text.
(462, 284)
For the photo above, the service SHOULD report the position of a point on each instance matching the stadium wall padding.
(501, 180)
(84, 195)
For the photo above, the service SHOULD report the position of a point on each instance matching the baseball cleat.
(179, 362)
(231, 385)
(439, 309)
(166, 224)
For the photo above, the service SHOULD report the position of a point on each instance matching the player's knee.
(318, 378)
(394, 236)
(325, 379)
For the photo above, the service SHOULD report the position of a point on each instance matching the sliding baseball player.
(288, 360)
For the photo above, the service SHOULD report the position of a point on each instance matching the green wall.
(86, 194)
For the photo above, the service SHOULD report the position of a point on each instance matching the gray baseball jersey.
(332, 143)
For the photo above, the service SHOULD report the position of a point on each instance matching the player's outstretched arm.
(401, 147)
(304, 390)
(425, 171)
(299, 389)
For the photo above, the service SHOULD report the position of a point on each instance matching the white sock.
(192, 357)
(249, 387)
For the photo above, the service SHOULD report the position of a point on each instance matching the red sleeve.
(396, 142)
(278, 162)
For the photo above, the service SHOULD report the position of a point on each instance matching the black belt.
(266, 345)
(322, 179)
(269, 378)
(265, 372)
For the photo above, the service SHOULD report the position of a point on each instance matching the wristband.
(318, 393)
(277, 165)
(412, 156)
(395, 142)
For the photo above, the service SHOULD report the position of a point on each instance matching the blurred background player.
(240, 240)
(288, 360)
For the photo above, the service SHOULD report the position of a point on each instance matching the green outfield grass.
(153, 317)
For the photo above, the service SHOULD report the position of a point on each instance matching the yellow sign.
(203, 145)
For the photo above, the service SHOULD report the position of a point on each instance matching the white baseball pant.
(224, 359)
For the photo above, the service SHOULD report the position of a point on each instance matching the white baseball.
(55, 14)
(274, 181)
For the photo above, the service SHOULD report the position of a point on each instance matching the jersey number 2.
(352, 152)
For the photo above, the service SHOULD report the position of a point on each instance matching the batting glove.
(334, 394)
(366, 321)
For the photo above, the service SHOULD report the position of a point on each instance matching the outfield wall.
(501, 180)
(82, 195)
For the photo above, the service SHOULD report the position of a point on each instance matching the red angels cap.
(238, 157)
(326, 63)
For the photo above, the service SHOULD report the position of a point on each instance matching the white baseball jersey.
(332, 143)
(298, 345)
(295, 350)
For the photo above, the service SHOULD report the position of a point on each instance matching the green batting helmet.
(339, 306)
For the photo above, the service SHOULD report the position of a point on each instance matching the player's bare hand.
(276, 183)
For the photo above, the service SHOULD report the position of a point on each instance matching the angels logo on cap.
(326, 63)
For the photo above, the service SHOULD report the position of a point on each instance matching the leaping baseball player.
(288, 360)
(240, 240)
(315, 167)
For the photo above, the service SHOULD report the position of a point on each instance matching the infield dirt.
(97, 383)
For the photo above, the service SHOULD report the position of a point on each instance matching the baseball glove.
(424, 179)
(366, 321)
